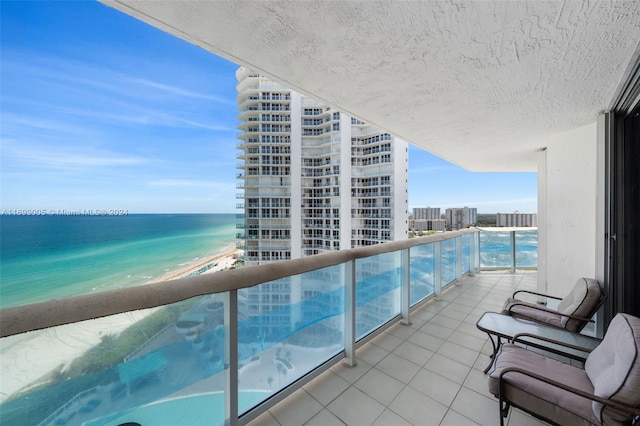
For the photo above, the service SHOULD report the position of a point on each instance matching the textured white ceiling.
(479, 83)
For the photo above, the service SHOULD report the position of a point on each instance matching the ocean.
(55, 256)
(495, 249)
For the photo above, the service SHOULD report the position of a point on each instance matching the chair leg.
(503, 405)
(505, 410)
(492, 357)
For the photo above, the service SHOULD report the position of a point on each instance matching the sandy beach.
(224, 260)
(28, 357)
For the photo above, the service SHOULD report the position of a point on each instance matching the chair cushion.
(580, 302)
(614, 367)
(541, 398)
(529, 310)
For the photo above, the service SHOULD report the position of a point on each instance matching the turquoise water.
(49, 257)
(193, 410)
(495, 249)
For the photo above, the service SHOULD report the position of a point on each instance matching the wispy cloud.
(72, 73)
(133, 115)
(108, 94)
(17, 123)
(178, 90)
(67, 158)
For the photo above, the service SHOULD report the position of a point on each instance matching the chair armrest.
(515, 338)
(633, 411)
(535, 293)
(545, 309)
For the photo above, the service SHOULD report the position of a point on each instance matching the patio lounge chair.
(573, 312)
(605, 392)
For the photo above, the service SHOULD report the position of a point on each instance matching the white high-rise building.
(314, 179)
(426, 213)
(517, 219)
(459, 218)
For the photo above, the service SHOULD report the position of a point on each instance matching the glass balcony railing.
(509, 248)
(216, 348)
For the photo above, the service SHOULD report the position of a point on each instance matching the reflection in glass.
(288, 327)
(421, 264)
(378, 282)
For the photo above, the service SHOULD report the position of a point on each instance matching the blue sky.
(101, 111)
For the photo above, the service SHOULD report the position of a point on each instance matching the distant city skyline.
(101, 111)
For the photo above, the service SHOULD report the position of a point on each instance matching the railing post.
(513, 252)
(350, 313)
(437, 271)
(458, 241)
(472, 254)
(476, 241)
(405, 282)
(231, 358)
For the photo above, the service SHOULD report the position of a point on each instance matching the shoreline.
(226, 258)
(23, 363)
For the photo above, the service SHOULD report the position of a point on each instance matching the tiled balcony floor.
(428, 373)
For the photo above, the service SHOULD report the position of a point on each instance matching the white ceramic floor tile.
(468, 341)
(389, 418)
(477, 381)
(472, 330)
(445, 322)
(448, 368)
(265, 419)
(436, 330)
(476, 407)
(418, 409)
(416, 323)
(435, 386)
(379, 386)
(520, 418)
(470, 302)
(351, 374)
(401, 331)
(325, 418)
(454, 306)
(326, 387)
(354, 407)
(426, 341)
(399, 368)
(371, 354)
(414, 353)
(387, 341)
(456, 419)
(297, 409)
(458, 353)
(482, 362)
(453, 314)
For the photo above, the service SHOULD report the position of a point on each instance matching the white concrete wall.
(568, 200)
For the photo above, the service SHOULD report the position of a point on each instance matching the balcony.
(401, 314)
(429, 372)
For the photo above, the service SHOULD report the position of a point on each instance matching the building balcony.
(428, 372)
(389, 329)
